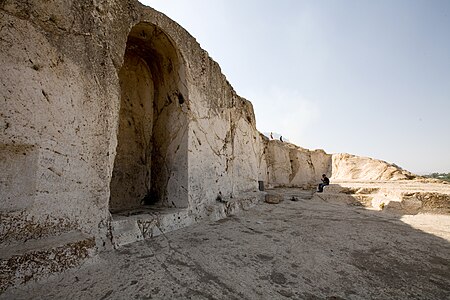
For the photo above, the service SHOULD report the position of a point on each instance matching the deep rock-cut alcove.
(151, 159)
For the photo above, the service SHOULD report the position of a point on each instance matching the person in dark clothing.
(325, 181)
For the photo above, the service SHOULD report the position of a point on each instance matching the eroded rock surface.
(403, 197)
(350, 167)
(287, 165)
(309, 249)
(110, 110)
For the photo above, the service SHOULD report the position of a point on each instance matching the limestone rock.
(273, 198)
(288, 165)
(350, 167)
(106, 104)
(110, 106)
(404, 197)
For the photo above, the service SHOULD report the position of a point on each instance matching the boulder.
(273, 198)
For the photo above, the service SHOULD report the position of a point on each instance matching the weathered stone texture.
(109, 105)
(400, 197)
(273, 198)
(153, 124)
(292, 166)
(17, 178)
(59, 97)
(350, 167)
(31, 261)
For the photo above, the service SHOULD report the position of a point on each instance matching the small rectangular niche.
(18, 165)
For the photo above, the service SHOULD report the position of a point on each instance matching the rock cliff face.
(60, 102)
(107, 106)
(287, 165)
(350, 167)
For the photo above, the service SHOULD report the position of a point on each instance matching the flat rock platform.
(303, 249)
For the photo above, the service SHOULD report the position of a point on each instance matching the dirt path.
(308, 249)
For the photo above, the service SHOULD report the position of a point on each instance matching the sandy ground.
(307, 249)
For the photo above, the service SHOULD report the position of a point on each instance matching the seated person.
(325, 181)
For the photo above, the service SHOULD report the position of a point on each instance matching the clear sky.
(370, 78)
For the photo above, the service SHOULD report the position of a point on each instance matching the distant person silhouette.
(281, 138)
(271, 136)
(325, 182)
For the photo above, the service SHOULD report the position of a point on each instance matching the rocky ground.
(304, 249)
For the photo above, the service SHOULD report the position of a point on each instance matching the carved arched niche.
(150, 166)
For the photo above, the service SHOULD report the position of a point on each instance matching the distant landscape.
(441, 176)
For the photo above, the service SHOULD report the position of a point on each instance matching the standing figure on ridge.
(271, 136)
(325, 181)
(281, 138)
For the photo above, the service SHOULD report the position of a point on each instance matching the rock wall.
(60, 100)
(153, 117)
(350, 167)
(287, 165)
(221, 132)
(109, 105)
(131, 178)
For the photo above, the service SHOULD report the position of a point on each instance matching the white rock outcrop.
(110, 107)
(350, 167)
(287, 165)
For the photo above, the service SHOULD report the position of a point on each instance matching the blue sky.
(370, 78)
